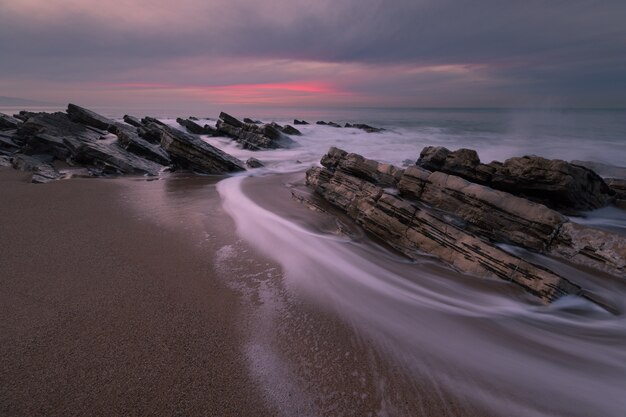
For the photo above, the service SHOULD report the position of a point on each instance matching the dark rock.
(604, 170)
(383, 175)
(254, 163)
(131, 120)
(290, 130)
(129, 139)
(193, 118)
(618, 185)
(191, 152)
(555, 183)
(300, 122)
(323, 123)
(112, 159)
(87, 117)
(23, 115)
(43, 171)
(8, 141)
(251, 136)
(8, 122)
(5, 161)
(254, 122)
(363, 126)
(195, 128)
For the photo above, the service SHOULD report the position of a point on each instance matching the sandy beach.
(105, 314)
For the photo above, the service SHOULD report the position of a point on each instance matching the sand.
(106, 313)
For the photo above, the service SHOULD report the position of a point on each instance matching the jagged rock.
(323, 123)
(131, 120)
(363, 126)
(251, 136)
(191, 152)
(23, 115)
(254, 163)
(195, 128)
(555, 183)
(43, 171)
(8, 122)
(460, 222)
(87, 117)
(112, 159)
(7, 141)
(129, 139)
(300, 122)
(604, 170)
(55, 134)
(254, 122)
(290, 130)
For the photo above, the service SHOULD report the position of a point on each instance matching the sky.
(358, 53)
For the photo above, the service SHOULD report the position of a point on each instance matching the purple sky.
(429, 53)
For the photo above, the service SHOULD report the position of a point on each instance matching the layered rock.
(416, 210)
(300, 122)
(363, 126)
(557, 184)
(130, 140)
(252, 136)
(323, 123)
(191, 152)
(290, 130)
(8, 122)
(43, 171)
(87, 117)
(195, 128)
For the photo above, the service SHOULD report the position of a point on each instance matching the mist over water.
(485, 341)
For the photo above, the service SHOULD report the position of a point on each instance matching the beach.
(104, 313)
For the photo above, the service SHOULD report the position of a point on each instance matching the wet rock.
(190, 152)
(300, 122)
(8, 122)
(604, 170)
(87, 117)
(254, 122)
(290, 130)
(618, 186)
(43, 171)
(323, 123)
(131, 120)
(5, 161)
(461, 222)
(130, 140)
(552, 182)
(251, 136)
(254, 163)
(112, 159)
(8, 141)
(195, 128)
(363, 126)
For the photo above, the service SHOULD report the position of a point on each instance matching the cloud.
(384, 50)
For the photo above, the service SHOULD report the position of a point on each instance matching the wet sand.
(106, 313)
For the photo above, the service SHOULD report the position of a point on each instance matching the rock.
(5, 161)
(604, 170)
(254, 122)
(554, 183)
(191, 152)
(300, 122)
(131, 120)
(323, 123)
(8, 122)
(362, 126)
(460, 222)
(87, 117)
(7, 141)
(43, 171)
(112, 159)
(618, 185)
(129, 139)
(290, 130)
(195, 128)
(254, 163)
(251, 136)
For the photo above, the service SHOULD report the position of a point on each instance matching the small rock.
(254, 163)
(300, 122)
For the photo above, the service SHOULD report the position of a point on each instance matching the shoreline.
(106, 314)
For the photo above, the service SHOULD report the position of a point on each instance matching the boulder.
(300, 122)
(195, 128)
(290, 130)
(254, 163)
(191, 152)
(87, 117)
(552, 182)
(252, 136)
(131, 120)
(8, 122)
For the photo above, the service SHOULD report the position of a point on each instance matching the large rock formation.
(252, 136)
(557, 184)
(8, 122)
(195, 128)
(417, 211)
(87, 117)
